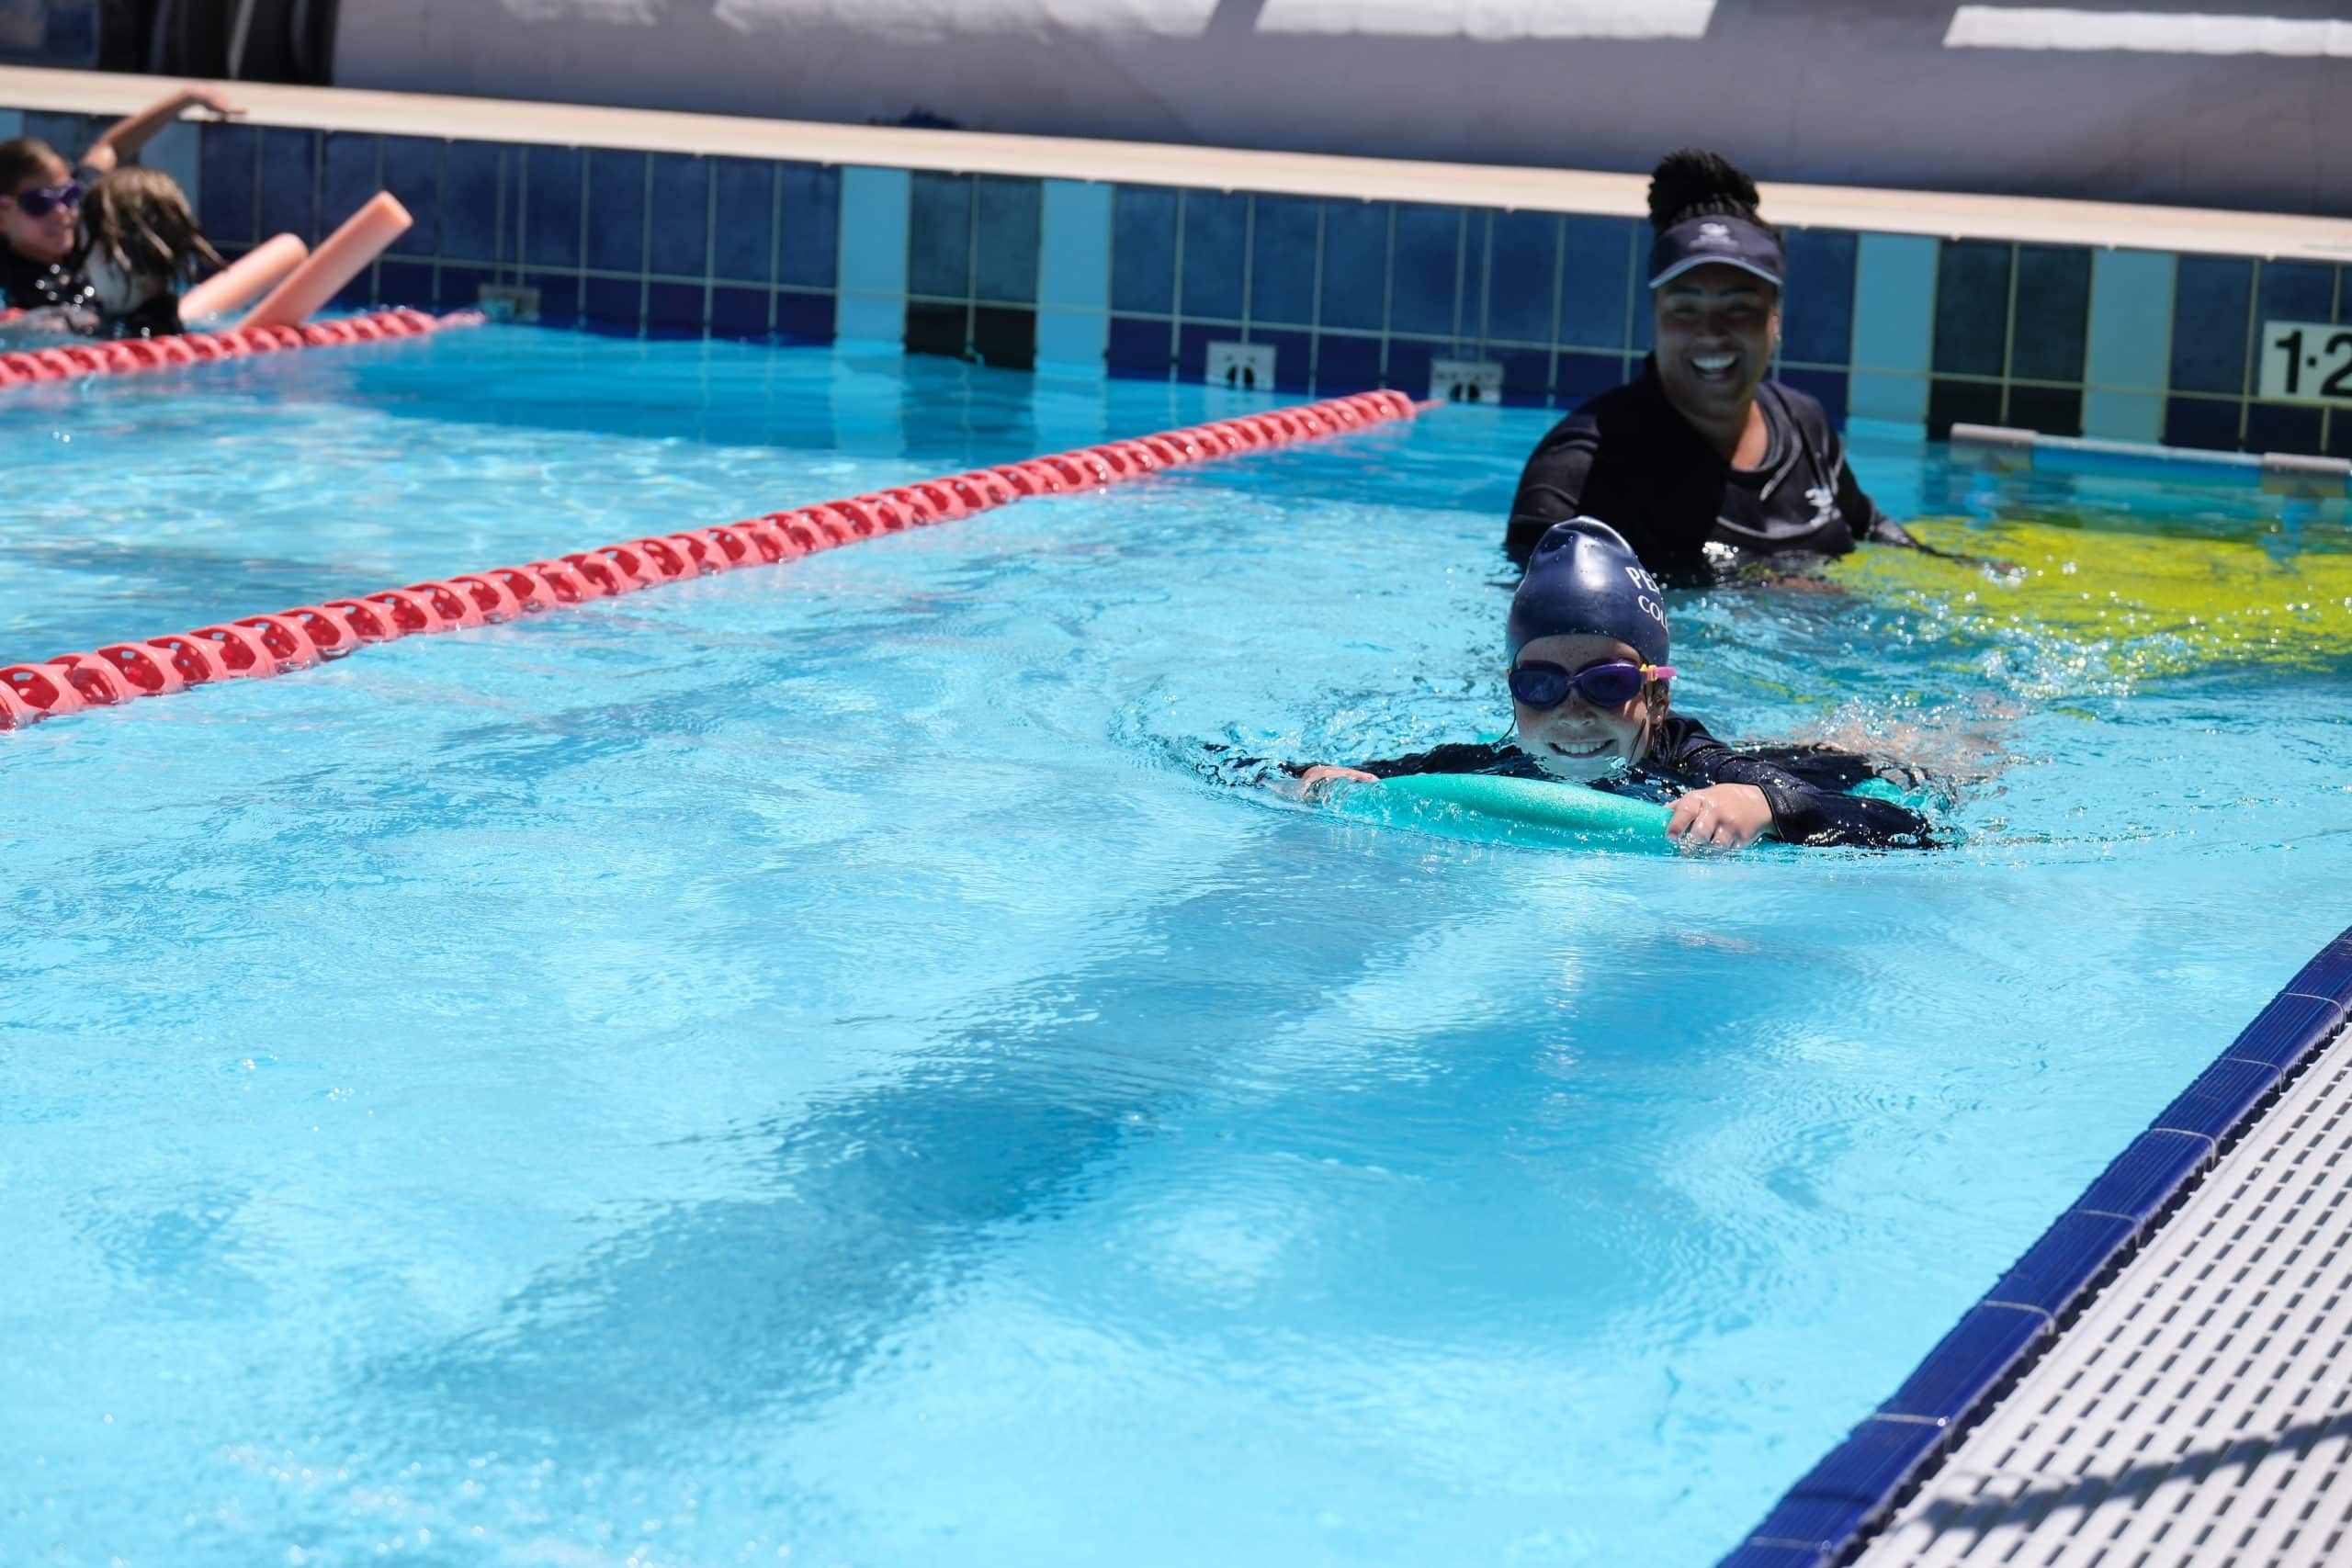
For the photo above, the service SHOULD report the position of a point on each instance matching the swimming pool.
(803, 1066)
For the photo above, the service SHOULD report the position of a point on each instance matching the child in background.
(1588, 646)
(42, 243)
(145, 244)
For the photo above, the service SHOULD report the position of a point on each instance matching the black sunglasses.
(1541, 685)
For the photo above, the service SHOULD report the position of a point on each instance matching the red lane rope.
(73, 361)
(299, 638)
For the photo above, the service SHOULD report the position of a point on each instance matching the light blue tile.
(1888, 397)
(12, 124)
(2130, 330)
(173, 151)
(1895, 312)
(1074, 250)
(1072, 339)
(2110, 415)
(872, 277)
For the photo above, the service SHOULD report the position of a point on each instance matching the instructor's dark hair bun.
(1689, 183)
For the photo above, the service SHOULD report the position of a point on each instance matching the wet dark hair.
(138, 218)
(24, 158)
(1691, 182)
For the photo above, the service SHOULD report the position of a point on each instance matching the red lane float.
(134, 355)
(296, 638)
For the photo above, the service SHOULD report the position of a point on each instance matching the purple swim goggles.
(1541, 685)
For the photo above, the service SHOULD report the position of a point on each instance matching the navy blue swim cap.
(1584, 580)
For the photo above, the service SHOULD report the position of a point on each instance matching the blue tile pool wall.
(1907, 334)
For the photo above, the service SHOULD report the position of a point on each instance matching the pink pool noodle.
(340, 257)
(245, 280)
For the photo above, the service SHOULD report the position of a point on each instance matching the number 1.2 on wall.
(2306, 362)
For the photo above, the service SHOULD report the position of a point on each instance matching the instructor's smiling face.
(1716, 329)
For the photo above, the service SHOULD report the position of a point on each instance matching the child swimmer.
(144, 245)
(1588, 646)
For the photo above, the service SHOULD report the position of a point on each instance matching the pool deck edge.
(1836, 1508)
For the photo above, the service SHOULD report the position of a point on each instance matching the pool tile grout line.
(1854, 1488)
(302, 637)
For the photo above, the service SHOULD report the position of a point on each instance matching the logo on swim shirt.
(1825, 503)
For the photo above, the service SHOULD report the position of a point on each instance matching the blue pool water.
(803, 1067)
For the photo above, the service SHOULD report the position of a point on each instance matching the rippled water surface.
(804, 1067)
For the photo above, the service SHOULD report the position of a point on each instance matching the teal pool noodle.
(1484, 806)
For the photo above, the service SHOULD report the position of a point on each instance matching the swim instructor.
(1704, 467)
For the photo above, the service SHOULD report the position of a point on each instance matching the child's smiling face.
(1575, 739)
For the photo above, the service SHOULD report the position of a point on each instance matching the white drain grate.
(2200, 1410)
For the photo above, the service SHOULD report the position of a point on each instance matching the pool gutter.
(1830, 1514)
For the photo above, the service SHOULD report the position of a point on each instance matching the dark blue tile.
(739, 312)
(1425, 278)
(1818, 309)
(2217, 1099)
(2052, 331)
(405, 283)
(938, 328)
(460, 286)
(2211, 423)
(67, 135)
(1005, 336)
(1853, 1483)
(1961, 402)
(1409, 364)
(1140, 347)
(1005, 244)
(224, 155)
(1143, 249)
(1192, 339)
(1597, 285)
(616, 212)
(1972, 307)
(681, 226)
(551, 206)
(471, 176)
(804, 317)
(2339, 436)
(351, 173)
(1826, 387)
(1344, 365)
(1527, 377)
(2146, 1175)
(1294, 357)
(413, 173)
(1966, 1363)
(289, 183)
(2277, 427)
(558, 296)
(1355, 267)
(2295, 291)
(1751, 1556)
(1282, 260)
(2210, 296)
(1581, 377)
(672, 308)
(808, 250)
(2329, 974)
(2071, 1253)
(744, 196)
(613, 302)
(2053, 411)
(1522, 283)
(2287, 1029)
(1216, 236)
(939, 237)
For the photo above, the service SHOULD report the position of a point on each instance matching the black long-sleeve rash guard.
(1806, 786)
(1628, 458)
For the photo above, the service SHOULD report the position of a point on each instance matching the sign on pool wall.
(2306, 362)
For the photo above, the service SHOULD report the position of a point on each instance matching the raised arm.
(124, 138)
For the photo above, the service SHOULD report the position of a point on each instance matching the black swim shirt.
(1629, 459)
